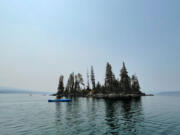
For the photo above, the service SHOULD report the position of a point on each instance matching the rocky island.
(113, 88)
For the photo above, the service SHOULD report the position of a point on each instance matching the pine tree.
(79, 81)
(61, 85)
(93, 78)
(109, 78)
(135, 84)
(70, 83)
(125, 83)
(76, 84)
(88, 86)
(98, 87)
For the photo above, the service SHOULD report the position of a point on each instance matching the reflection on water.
(123, 116)
(111, 117)
(20, 115)
(92, 116)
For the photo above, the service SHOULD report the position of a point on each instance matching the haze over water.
(41, 40)
(24, 114)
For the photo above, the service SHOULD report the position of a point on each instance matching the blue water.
(33, 115)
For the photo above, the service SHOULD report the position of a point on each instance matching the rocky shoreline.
(119, 96)
(107, 96)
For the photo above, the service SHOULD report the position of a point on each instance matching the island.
(113, 88)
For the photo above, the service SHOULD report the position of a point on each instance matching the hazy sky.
(41, 39)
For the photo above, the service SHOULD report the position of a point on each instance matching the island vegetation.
(124, 87)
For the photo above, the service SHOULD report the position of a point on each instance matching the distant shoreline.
(19, 91)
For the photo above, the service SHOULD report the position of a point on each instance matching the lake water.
(33, 115)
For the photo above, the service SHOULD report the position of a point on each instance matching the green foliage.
(125, 82)
(115, 86)
(75, 83)
(93, 78)
(60, 85)
(78, 81)
(88, 86)
(70, 83)
(135, 84)
(98, 88)
(109, 77)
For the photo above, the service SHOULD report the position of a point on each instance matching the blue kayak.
(59, 100)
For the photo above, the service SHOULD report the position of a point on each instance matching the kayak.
(59, 100)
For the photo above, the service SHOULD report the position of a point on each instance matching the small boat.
(59, 100)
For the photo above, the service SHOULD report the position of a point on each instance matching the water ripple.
(22, 115)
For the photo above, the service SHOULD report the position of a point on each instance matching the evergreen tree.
(98, 87)
(135, 84)
(80, 81)
(76, 84)
(125, 83)
(88, 86)
(70, 83)
(61, 85)
(116, 87)
(109, 78)
(93, 78)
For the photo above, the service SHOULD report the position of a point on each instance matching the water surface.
(33, 115)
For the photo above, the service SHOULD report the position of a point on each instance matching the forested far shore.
(125, 86)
